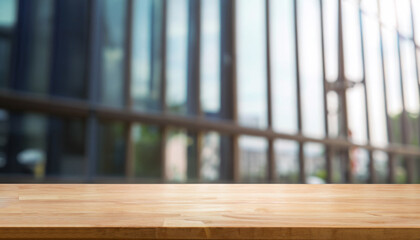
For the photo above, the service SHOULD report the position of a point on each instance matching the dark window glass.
(26, 144)
(71, 37)
(66, 147)
(112, 42)
(112, 145)
(34, 39)
(8, 10)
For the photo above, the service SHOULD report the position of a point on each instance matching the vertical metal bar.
(342, 93)
(327, 148)
(298, 98)
(94, 86)
(194, 27)
(271, 153)
(404, 116)
(227, 108)
(129, 151)
(164, 129)
(193, 96)
(370, 155)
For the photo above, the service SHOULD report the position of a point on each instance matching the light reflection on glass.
(404, 17)
(113, 40)
(8, 13)
(387, 12)
(177, 49)
(416, 18)
(330, 13)
(374, 82)
(333, 114)
(210, 56)
(283, 66)
(409, 72)
(252, 159)
(352, 46)
(356, 114)
(251, 63)
(310, 62)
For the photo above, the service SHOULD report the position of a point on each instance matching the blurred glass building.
(281, 91)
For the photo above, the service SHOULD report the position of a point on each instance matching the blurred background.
(231, 91)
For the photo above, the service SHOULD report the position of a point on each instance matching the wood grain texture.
(218, 211)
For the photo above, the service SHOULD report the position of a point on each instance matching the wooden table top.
(209, 211)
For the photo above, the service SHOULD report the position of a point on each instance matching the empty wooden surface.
(219, 211)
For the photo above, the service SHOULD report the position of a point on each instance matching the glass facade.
(284, 91)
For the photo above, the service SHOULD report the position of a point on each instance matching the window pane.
(330, 13)
(374, 82)
(287, 161)
(315, 168)
(333, 110)
(381, 166)
(111, 149)
(251, 63)
(112, 51)
(404, 17)
(66, 147)
(210, 157)
(146, 54)
(352, 46)
(210, 56)
(359, 165)
(8, 10)
(25, 145)
(177, 49)
(416, 16)
(411, 89)
(387, 11)
(356, 114)
(70, 55)
(147, 151)
(310, 61)
(35, 54)
(8, 13)
(400, 169)
(283, 66)
(180, 156)
(253, 159)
